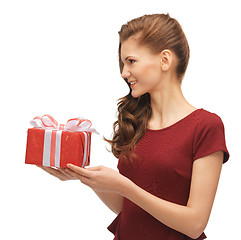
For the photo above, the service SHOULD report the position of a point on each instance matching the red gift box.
(50, 144)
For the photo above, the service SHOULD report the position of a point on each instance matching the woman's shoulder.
(209, 135)
(209, 119)
(209, 114)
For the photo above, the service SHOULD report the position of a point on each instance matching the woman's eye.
(131, 60)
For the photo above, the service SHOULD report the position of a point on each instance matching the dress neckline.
(162, 129)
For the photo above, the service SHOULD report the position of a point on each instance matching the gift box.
(55, 145)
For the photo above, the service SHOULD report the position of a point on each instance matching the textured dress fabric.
(163, 167)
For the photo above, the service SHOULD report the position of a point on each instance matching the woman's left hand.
(100, 178)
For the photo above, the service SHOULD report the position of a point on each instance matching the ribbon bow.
(72, 125)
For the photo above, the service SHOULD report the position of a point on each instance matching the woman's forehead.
(131, 47)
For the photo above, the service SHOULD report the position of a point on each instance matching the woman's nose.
(125, 73)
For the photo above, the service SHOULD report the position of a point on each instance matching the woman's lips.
(132, 85)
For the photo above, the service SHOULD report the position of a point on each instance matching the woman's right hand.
(61, 173)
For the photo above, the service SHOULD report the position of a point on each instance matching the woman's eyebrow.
(128, 57)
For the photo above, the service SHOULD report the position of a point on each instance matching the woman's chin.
(136, 94)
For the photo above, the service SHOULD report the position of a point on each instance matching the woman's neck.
(168, 105)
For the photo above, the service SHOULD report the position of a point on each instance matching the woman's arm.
(112, 200)
(190, 220)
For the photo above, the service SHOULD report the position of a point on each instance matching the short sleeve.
(210, 137)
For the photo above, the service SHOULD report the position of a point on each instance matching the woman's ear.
(166, 59)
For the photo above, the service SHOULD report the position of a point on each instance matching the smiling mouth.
(132, 84)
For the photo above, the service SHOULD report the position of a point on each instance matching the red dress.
(164, 169)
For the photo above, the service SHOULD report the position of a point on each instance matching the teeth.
(133, 82)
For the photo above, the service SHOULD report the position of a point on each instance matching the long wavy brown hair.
(158, 32)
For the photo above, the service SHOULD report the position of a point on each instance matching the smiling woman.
(170, 153)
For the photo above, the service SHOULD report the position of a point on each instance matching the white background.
(60, 57)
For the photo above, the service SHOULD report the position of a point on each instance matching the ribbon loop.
(49, 121)
(72, 125)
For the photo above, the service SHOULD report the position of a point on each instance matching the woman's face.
(141, 67)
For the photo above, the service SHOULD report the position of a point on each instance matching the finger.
(54, 172)
(81, 171)
(83, 179)
(97, 168)
(49, 169)
(72, 173)
(67, 173)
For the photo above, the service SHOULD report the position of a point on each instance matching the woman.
(170, 153)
